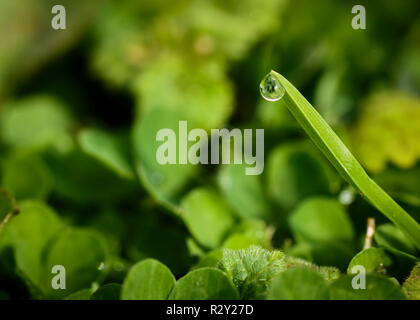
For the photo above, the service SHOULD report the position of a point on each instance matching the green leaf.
(321, 220)
(152, 235)
(288, 169)
(244, 193)
(108, 148)
(372, 259)
(345, 163)
(298, 284)
(148, 280)
(36, 121)
(82, 252)
(165, 182)
(94, 182)
(251, 270)
(411, 286)
(386, 130)
(110, 291)
(199, 91)
(210, 259)
(207, 217)
(247, 233)
(30, 231)
(27, 176)
(204, 284)
(393, 240)
(377, 288)
(83, 294)
(327, 273)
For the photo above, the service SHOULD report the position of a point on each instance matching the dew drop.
(271, 88)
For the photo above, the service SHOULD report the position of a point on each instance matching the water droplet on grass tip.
(271, 88)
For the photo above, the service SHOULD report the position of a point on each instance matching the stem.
(345, 163)
(369, 233)
(11, 214)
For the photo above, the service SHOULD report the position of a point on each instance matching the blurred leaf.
(81, 252)
(377, 288)
(204, 284)
(393, 240)
(298, 284)
(273, 116)
(387, 131)
(206, 216)
(83, 294)
(201, 94)
(30, 231)
(331, 99)
(164, 182)
(244, 193)
(372, 259)
(407, 69)
(83, 179)
(402, 184)
(36, 121)
(36, 35)
(109, 149)
(233, 27)
(210, 259)
(148, 280)
(155, 235)
(288, 170)
(110, 291)
(411, 286)
(26, 176)
(247, 233)
(321, 220)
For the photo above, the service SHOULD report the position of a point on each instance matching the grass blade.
(345, 163)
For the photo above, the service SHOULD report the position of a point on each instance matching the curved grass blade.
(342, 159)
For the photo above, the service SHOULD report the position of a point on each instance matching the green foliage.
(38, 178)
(82, 253)
(377, 288)
(204, 284)
(393, 240)
(109, 291)
(321, 220)
(411, 286)
(148, 280)
(252, 270)
(288, 169)
(28, 233)
(80, 185)
(372, 259)
(388, 125)
(298, 284)
(36, 121)
(107, 148)
(244, 193)
(164, 182)
(207, 217)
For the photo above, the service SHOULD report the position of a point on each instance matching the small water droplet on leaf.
(271, 88)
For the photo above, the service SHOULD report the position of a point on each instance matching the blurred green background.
(80, 108)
